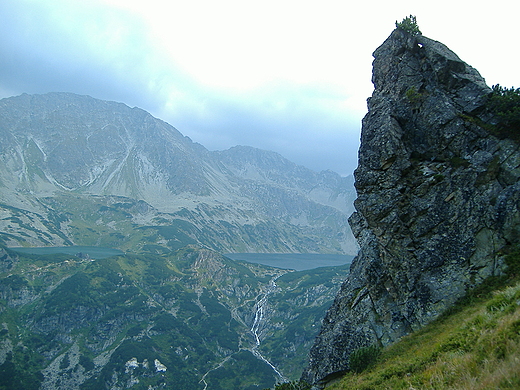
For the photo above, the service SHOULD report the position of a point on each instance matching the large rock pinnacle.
(438, 200)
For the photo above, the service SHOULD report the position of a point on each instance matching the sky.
(291, 76)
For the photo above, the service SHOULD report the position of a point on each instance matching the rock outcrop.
(438, 200)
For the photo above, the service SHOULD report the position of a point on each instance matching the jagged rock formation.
(61, 152)
(438, 200)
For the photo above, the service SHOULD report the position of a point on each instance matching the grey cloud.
(306, 135)
(41, 55)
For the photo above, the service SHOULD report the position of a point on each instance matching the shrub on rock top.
(409, 24)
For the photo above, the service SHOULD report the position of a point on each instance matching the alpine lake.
(293, 261)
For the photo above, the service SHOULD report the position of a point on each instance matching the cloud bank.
(288, 76)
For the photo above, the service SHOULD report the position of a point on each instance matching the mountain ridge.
(60, 143)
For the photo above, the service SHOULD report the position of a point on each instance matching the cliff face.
(438, 200)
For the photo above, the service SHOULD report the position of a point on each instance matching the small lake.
(296, 261)
(94, 252)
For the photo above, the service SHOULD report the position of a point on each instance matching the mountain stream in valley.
(260, 310)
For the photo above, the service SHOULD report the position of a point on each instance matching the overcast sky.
(290, 76)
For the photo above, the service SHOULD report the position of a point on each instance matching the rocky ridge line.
(61, 153)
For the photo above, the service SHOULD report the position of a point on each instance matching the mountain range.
(74, 169)
(170, 311)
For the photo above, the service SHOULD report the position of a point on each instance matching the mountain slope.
(190, 319)
(242, 199)
(474, 346)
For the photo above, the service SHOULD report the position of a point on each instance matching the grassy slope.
(474, 346)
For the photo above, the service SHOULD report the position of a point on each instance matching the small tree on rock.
(409, 24)
(505, 105)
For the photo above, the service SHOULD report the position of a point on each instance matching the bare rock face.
(438, 200)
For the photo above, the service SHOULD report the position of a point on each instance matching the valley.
(165, 308)
(207, 321)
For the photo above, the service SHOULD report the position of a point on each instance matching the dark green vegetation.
(94, 252)
(293, 385)
(363, 358)
(304, 293)
(504, 103)
(414, 97)
(177, 320)
(474, 345)
(501, 116)
(409, 24)
(21, 226)
(133, 225)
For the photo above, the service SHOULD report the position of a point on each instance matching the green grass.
(476, 345)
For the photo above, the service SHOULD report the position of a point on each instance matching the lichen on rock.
(438, 200)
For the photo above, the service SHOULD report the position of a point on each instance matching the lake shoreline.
(292, 261)
(295, 261)
(93, 252)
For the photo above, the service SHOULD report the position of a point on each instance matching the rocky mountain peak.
(59, 150)
(438, 200)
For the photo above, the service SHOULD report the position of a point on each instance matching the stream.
(260, 309)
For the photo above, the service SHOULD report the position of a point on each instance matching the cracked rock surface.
(438, 201)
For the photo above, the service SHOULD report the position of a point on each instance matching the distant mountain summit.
(88, 171)
(77, 143)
